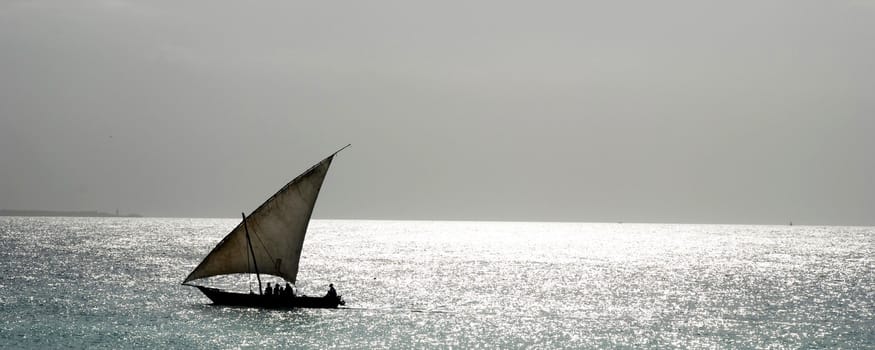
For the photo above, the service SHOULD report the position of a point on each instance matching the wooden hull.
(221, 297)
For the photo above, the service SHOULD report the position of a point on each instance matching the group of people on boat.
(278, 290)
(289, 291)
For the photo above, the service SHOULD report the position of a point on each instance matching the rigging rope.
(263, 246)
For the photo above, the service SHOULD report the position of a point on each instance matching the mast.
(254, 261)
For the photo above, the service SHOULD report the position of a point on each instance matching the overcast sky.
(636, 111)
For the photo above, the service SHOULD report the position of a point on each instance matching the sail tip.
(341, 149)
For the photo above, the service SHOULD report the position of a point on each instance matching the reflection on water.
(115, 282)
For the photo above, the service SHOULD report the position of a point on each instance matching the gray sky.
(635, 111)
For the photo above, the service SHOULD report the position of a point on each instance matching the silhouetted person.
(331, 292)
(289, 291)
(268, 290)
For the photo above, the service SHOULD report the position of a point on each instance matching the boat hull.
(221, 297)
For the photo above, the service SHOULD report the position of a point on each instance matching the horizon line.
(3, 212)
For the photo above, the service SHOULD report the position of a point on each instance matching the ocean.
(115, 283)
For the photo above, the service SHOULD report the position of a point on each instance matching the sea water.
(115, 283)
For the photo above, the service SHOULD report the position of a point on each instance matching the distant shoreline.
(85, 214)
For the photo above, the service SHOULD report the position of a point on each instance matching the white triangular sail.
(276, 230)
